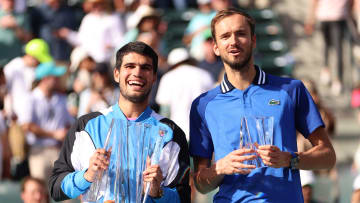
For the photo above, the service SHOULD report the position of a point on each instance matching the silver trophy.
(102, 178)
(131, 156)
(247, 141)
(255, 131)
(131, 144)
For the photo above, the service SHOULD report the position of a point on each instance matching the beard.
(135, 98)
(238, 64)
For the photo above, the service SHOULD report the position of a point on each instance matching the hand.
(233, 162)
(99, 161)
(8, 21)
(63, 32)
(152, 175)
(272, 156)
(60, 134)
(309, 28)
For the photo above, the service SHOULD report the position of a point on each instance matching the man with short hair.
(33, 190)
(246, 92)
(83, 156)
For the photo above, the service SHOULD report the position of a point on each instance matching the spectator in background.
(5, 152)
(55, 14)
(180, 86)
(355, 197)
(100, 32)
(307, 183)
(193, 35)
(153, 39)
(144, 19)
(332, 17)
(20, 74)
(355, 101)
(211, 62)
(79, 80)
(199, 23)
(33, 190)
(14, 31)
(102, 92)
(175, 4)
(47, 120)
(304, 144)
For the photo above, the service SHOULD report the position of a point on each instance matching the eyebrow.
(141, 65)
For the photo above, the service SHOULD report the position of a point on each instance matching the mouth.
(136, 83)
(235, 52)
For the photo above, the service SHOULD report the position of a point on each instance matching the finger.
(243, 166)
(101, 151)
(245, 171)
(243, 151)
(269, 147)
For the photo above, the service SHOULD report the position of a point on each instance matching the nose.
(233, 39)
(136, 71)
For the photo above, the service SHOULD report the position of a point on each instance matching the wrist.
(159, 194)
(294, 161)
(88, 176)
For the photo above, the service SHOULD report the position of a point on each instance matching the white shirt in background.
(178, 88)
(99, 35)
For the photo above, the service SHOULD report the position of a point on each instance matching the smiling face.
(234, 42)
(135, 77)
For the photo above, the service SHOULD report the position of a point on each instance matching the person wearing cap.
(100, 32)
(144, 19)
(180, 86)
(20, 74)
(227, 151)
(14, 31)
(211, 62)
(193, 35)
(46, 120)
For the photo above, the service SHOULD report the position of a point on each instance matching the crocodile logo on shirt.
(274, 102)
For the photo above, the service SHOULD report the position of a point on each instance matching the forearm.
(207, 179)
(38, 131)
(311, 15)
(317, 157)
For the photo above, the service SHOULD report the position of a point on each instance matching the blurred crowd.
(56, 59)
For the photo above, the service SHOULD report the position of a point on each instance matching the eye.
(146, 67)
(129, 66)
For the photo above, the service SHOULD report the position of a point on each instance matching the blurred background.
(316, 41)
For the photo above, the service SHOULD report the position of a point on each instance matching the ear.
(116, 74)
(216, 49)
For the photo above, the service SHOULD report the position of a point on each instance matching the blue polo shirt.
(215, 118)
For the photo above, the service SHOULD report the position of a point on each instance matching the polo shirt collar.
(260, 79)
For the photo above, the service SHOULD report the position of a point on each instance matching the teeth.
(136, 83)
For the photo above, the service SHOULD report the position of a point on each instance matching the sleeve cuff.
(167, 196)
(80, 182)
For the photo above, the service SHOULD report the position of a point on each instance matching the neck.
(47, 92)
(241, 79)
(130, 109)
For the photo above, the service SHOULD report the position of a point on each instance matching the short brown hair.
(229, 12)
(28, 179)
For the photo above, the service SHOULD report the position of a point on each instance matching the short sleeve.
(307, 115)
(200, 138)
